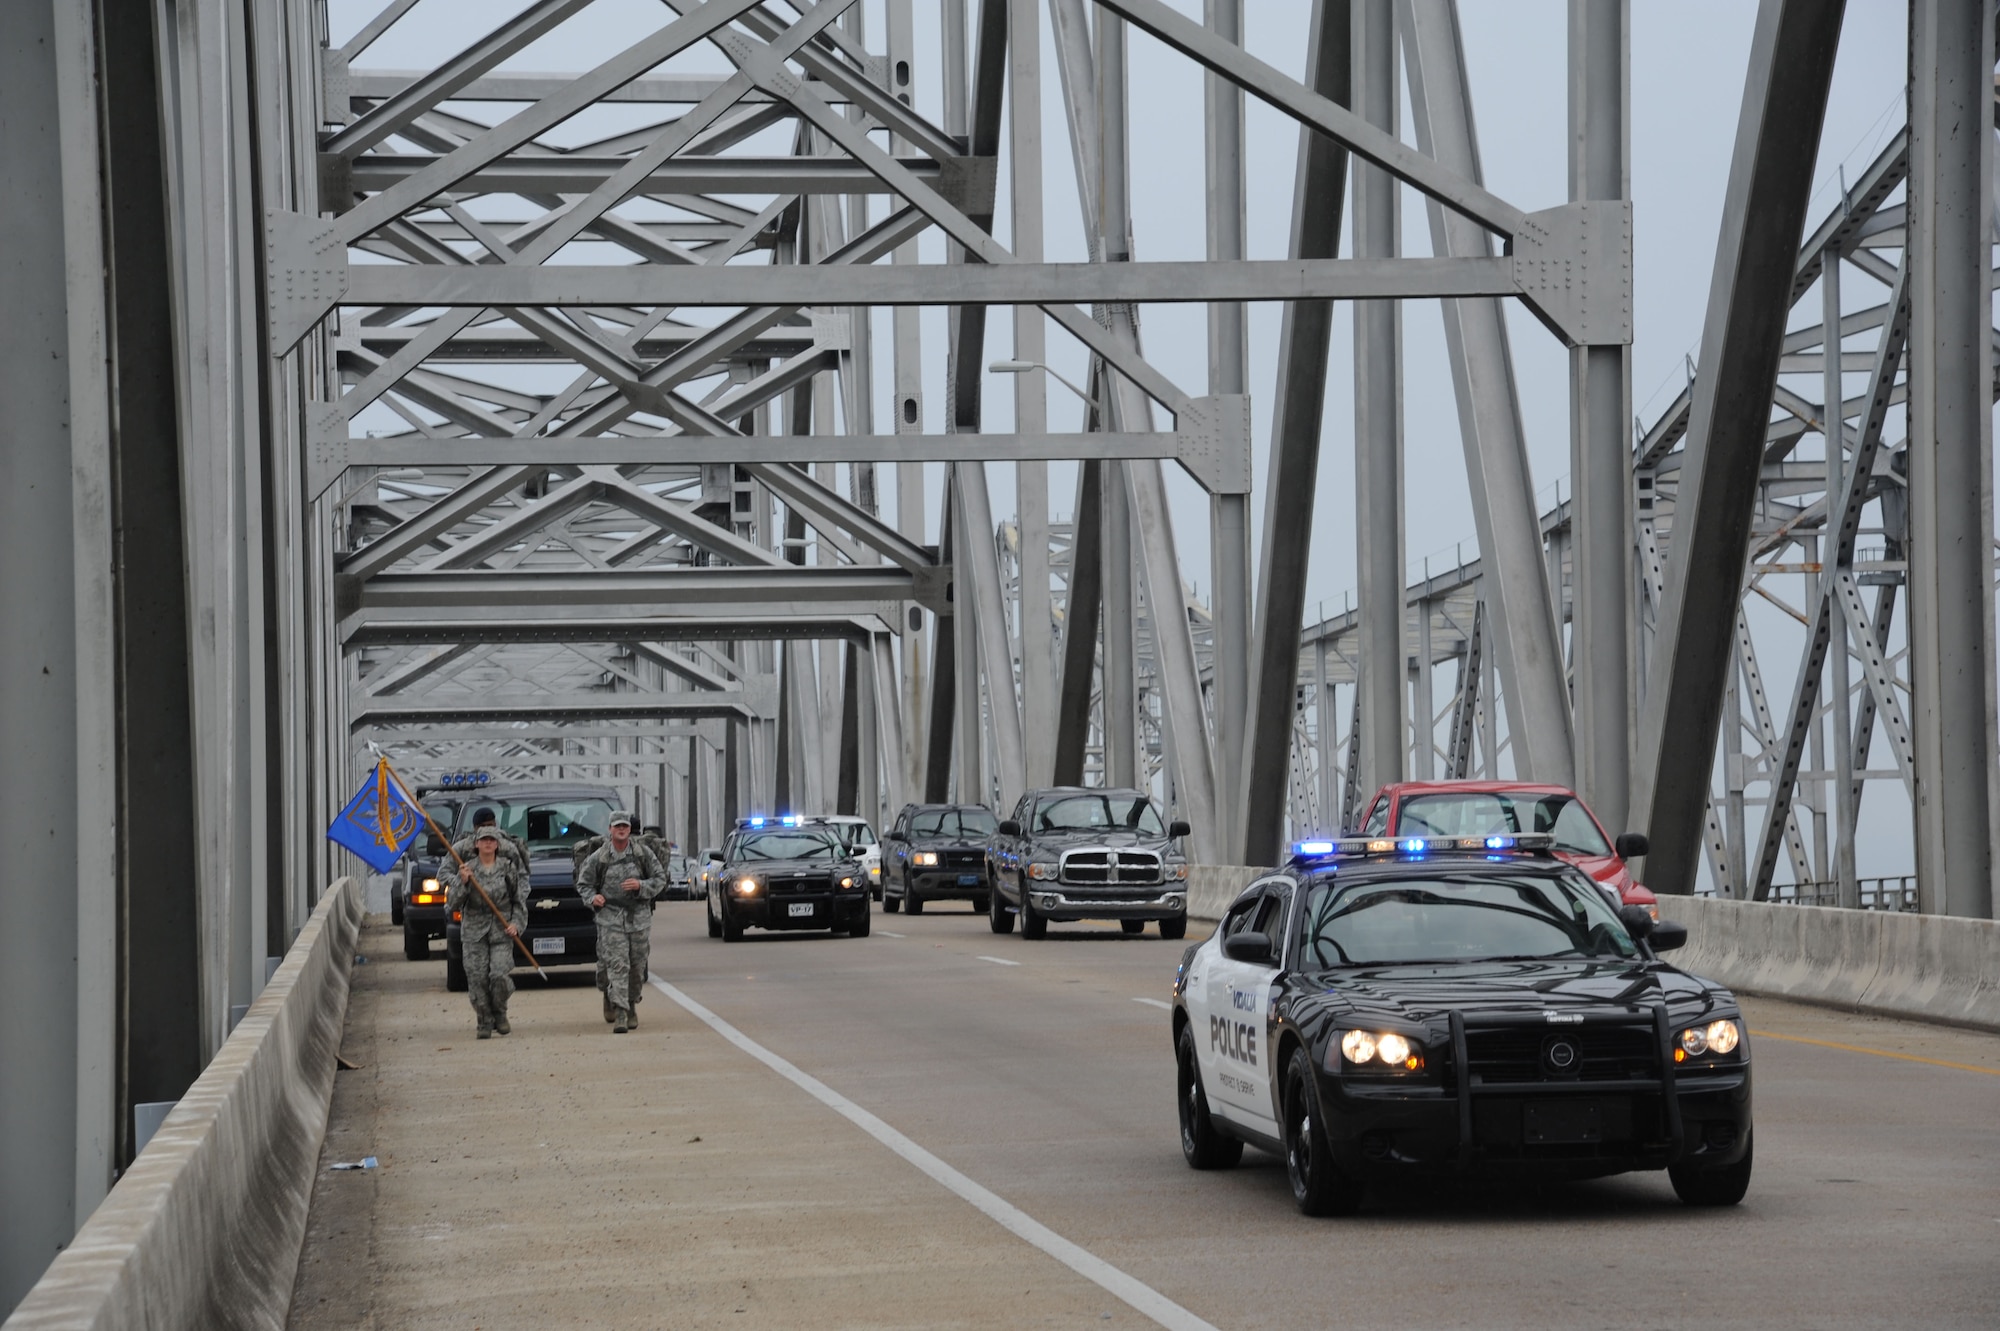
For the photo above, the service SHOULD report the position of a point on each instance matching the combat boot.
(620, 1026)
(484, 1033)
(632, 1016)
(501, 1024)
(610, 1009)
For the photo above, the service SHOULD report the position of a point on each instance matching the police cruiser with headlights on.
(1383, 1008)
(786, 873)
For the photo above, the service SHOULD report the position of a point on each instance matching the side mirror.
(1008, 827)
(434, 847)
(1666, 937)
(1250, 947)
(1638, 921)
(711, 854)
(1632, 846)
(893, 836)
(1179, 828)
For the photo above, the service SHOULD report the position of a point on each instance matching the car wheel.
(714, 925)
(395, 906)
(891, 904)
(1174, 928)
(416, 944)
(732, 932)
(1033, 925)
(1204, 1145)
(912, 903)
(979, 904)
(1713, 1187)
(454, 972)
(997, 915)
(859, 929)
(1318, 1186)
(1132, 926)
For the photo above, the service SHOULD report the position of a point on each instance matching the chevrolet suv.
(1071, 853)
(937, 852)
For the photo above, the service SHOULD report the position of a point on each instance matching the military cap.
(487, 833)
(621, 816)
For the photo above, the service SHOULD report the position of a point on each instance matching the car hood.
(1530, 988)
(1103, 836)
(947, 843)
(766, 867)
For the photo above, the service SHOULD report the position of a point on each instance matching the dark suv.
(1070, 853)
(551, 817)
(416, 894)
(937, 852)
(787, 877)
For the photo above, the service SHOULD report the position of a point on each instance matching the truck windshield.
(555, 824)
(972, 822)
(1460, 917)
(787, 845)
(1483, 813)
(1097, 813)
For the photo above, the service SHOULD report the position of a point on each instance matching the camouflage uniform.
(511, 848)
(580, 854)
(488, 951)
(624, 921)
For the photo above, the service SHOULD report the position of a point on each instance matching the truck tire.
(1033, 925)
(997, 915)
(454, 972)
(912, 902)
(416, 944)
(890, 905)
(1174, 928)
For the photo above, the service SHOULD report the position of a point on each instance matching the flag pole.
(464, 869)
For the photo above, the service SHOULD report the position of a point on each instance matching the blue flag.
(379, 823)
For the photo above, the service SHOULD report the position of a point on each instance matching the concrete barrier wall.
(204, 1229)
(1926, 967)
(1211, 887)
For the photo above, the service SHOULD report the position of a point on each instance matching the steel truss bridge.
(535, 420)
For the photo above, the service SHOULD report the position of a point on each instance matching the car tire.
(396, 906)
(891, 905)
(1033, 925)
(454, 972)
(998, 917)
(732, 932)
(859, 929)
(714, 925)
(912, 903)
(1174, 928)
(1203, 1144)
(1132, 926)
(979, 904)
(416, 944)
(1713, 1187)
(1318, 1185)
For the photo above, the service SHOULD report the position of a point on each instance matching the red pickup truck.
(1481, 808)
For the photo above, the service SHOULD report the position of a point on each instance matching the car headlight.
(1042, 871)
(746, 887)
(1381, 1051)
(1719, 1038)
(430, 885)
(847, 882)
(926, 859)
(1177, 872)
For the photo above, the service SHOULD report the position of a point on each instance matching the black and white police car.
(1381, 1008)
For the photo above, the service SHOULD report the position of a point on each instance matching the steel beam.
(1770, 180)
(1950, 221)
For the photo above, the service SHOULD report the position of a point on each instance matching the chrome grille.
(1103, 866)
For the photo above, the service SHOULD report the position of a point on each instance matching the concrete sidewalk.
(563, 1176)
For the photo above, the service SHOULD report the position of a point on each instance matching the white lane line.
(1154, 1002)
(1000, 961)
(1140, 1296)
(886, 934)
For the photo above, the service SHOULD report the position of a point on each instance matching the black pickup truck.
(1071, 853)
(551, 817)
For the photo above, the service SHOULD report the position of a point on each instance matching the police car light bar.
(1418, 846)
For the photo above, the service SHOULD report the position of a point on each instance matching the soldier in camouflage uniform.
(487, 943)
(620, 881)
(580, 854)
(511, 846)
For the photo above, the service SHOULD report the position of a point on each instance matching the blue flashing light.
(791, 820)
(1499, 843)
(756, 822)
(1305, 848)
(1413, 846)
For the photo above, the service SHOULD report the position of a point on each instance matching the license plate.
(968, 880)
(1561, 1122)
(547, 946)
(800, 909)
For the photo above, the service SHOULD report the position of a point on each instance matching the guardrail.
(204, 1229)
(1894, 894)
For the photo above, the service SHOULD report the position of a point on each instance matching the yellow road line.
(1879, 1053)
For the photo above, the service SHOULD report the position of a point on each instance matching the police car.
(1384, 1008)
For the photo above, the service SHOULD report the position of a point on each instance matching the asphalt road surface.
(1036, 1080)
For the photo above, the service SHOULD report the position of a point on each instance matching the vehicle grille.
(793, 884)
(1111, 866)
(1608, 1053)
(552, 906)
(966, 861)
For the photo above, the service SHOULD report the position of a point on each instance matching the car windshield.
(787, 845)
(1459, 917)
(1482, 813)
(554, 824)
(853, 835)
(969, 822)
(1095, 813)
(443, 813)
